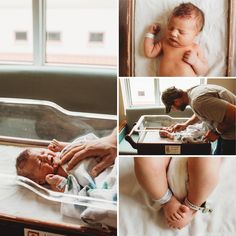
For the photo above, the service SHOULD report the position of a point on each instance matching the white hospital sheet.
(213, 38)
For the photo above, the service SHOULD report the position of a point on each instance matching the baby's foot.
(171, 210)
(54, 181)
(176, 213)
(56, 146)
(187, 216)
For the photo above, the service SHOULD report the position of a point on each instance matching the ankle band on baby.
(150, 35)
(203, 208)
(166, 198)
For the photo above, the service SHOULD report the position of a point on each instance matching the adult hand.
(178, 127)
(105, 149)
(211, 136)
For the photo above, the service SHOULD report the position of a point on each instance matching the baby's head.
(35, 164)
(185, 22)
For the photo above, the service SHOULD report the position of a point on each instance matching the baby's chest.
(176, 54)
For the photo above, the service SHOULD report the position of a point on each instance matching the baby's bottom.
(203, 178)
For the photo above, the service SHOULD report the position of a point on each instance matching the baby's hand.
(54, 181)
(55, 146)
(154, 28)
(190, 57)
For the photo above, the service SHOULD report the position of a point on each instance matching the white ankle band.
(203, 208)
(166, 198)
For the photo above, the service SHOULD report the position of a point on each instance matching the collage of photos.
(118, 118)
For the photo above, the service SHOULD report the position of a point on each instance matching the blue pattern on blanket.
(102, 187)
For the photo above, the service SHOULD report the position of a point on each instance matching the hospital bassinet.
(144, 137)
(26, 123)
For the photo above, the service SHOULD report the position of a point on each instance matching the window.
(21, 36)
(96, 37)
(56, 32)
(146, 92)
(83, 25)
(54, 36)
(16, 27)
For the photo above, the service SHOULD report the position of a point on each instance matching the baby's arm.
(152, 48)
(197, 60)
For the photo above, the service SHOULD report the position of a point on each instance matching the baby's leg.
(203, 178)
(151, 175)
(56, 146)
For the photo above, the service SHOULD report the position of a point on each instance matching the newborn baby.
(192, 134)
(41, 165)
(181, 56)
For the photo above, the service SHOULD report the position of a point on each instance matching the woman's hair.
(189, 10)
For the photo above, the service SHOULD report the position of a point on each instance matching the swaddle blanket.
(192, 134)
(80, 182)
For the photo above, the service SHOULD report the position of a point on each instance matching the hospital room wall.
(83, 90)
(227, 83)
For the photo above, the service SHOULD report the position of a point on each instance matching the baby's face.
(40, 164)
(181, 32)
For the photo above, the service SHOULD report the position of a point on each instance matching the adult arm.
(105, 149)
(229, 119)
(182, 126)
(216, 111)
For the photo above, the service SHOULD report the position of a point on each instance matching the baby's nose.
(174, 33)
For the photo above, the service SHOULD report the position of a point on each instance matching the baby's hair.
(188, 10)
(21, 160)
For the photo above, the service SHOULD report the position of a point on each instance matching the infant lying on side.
(181, 56)
(41, 165)
(192, 134)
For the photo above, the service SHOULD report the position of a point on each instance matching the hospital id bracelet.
(150, 35)
(62, 184)
(203, 208)
(166, 198)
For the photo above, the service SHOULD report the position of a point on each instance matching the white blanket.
(213, 39)
(80, 182)
(149, 220)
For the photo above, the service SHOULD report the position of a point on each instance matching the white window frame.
(127, 98)
(39, 32)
